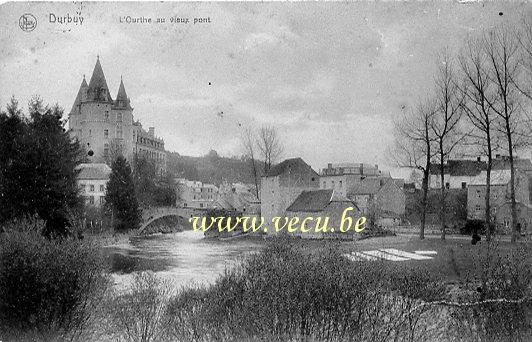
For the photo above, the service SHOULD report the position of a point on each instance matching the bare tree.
(525, 42)
(501, 46)
(413, 147)
(478, 92)
(445, 124)
(269, 145)
(248, 145)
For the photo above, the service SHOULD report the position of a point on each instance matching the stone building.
(92, 181)
(314, 205)
(499, 192)
(344, 177)
(376, 196)
(282, 184)
(195, 194)
(105, 126)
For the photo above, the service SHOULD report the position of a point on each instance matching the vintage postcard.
(266, 171)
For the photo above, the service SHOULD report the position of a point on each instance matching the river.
(183, 259)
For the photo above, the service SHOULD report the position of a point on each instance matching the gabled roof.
(367, 186)
(98, 89)
(95, 171)
(371, 185)
(317, 200)
(459, 167)
(312, 200)
(82, 90)
(287, 165)
(503, 163)
(497, 177)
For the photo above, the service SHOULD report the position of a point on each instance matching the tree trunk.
(425, 189)
(442, 194)
(512, 187)
(255, 177)
(488, 194)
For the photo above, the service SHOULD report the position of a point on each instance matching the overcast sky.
(330, 76)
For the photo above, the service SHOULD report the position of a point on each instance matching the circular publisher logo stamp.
(27, 22)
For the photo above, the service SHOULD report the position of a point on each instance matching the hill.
(213, 168)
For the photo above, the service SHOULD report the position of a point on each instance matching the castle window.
(102, 187)
(106, 115)
(106, 133)
(119, 117)
(106, 149)
(119, 132)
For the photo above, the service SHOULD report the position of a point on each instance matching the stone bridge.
(150, 215)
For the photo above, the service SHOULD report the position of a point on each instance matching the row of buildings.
(293, 188)
(471, 176)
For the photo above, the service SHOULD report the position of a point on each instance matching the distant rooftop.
(95, 171)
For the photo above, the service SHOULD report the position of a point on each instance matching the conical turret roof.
(98, 89)
(81, 93)
(121, 97)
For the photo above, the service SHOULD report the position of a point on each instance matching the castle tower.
(103, 126)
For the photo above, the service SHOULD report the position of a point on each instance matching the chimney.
(151, 131)
(329, 166)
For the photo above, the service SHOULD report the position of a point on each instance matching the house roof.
(460, 167)
(497, 177)
(287, 165)
(95, 171)
(503, 163)
(312, 200)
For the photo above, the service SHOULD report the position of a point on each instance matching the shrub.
(285, 294)
(502, 291)
(138, 315)
(48, 287)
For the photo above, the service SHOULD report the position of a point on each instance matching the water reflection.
(184, 258)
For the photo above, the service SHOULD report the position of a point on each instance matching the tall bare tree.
(478, 92)
(525, 42)
(270, 146)
(413, 147)
(445, 124)
(502, 48)
(248, 145)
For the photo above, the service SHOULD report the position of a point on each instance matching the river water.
(183, 259)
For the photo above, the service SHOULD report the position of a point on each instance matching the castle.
(106, 128)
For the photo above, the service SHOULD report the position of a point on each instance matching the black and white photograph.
(310, 171)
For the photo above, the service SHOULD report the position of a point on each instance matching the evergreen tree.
(121, 197)
(38, 160)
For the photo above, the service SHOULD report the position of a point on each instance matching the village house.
(499, 194)
(344, 176)
(282, 184)
(319, 204)
(195, 194)
(457, 173)
(92, 181)
(379, 198)
(245, 203)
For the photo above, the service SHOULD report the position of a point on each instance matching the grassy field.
(456, 258)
